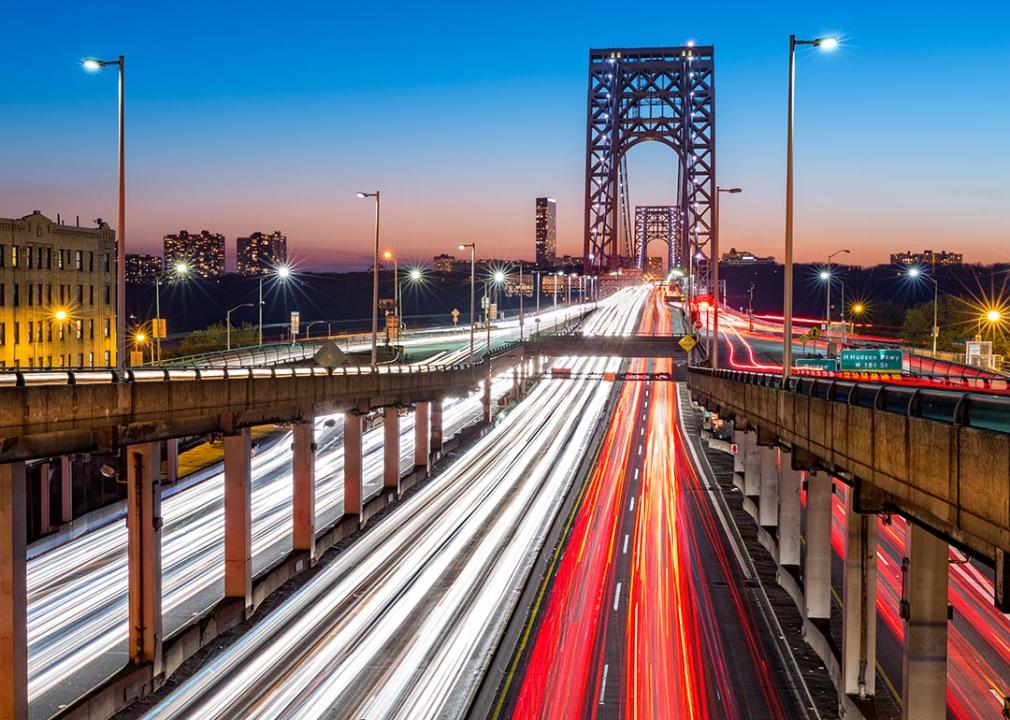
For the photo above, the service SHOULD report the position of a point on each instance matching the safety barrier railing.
(983, 411)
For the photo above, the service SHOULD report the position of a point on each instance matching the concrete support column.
(303, 506)
(143, 528)
(859, 595)
(66, 489)
(752, 466)
(391, 449)
(436, 426)
(924, 655)
(768, 502)
(238, 517)
(172, 460)
(422, 436)
(486, 401)
(352, 463)
(13, 592)
(789, 513)
(740, 458)
(515, 382)
(45, 511)
(817, 566)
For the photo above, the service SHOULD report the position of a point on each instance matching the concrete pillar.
(789, 513)
(13, 592)
(859, 596)
(817, 567)
(768, 502)
(740, 458)
(303, 505)
(486, 400)
(391, 449)
(352, 463)
(66, 489)
(422, 436)
(436, 426)
(172, 460)
(752, 467)
(143, 528)
(924, 655)
(238, 517)
(515, 382)
(45, 511)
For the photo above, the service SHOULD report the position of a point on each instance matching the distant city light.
(858, 308)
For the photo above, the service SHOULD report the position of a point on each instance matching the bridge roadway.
(939, 458)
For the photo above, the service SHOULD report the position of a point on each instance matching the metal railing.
(978, 410)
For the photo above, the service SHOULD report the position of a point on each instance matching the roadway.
(978, 674)
(77, 592)
(404, 621)
(647, 612)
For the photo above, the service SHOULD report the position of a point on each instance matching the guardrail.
(982, 411)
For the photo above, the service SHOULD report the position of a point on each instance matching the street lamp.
(227, 322)
(824, 43)
(914, 272)
(283, 273)
(390, 255)
(714, 338)
(375, 275)
(178, 270)
(992, 316)
(826, 275)
(473, 301)
(93, 65)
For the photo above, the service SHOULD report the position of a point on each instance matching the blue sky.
(247, 116)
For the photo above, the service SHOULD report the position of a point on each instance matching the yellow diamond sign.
(687, 342)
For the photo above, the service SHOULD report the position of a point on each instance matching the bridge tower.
(665, 95)
(657, 222)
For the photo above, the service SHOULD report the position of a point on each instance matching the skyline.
(461, 143)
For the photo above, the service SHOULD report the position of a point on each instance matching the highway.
(403, 622)
(978, 674)
(77, 592)
(647, 614)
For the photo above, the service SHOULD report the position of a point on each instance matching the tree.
(214, 338)
(918, 325)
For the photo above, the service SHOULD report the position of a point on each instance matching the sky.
(245, 116)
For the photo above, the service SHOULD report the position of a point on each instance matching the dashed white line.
(617, 596)
(625, 551)
(603, 683)
(631, 508)
(639, 448)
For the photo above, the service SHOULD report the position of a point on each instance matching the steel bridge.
(636, 95)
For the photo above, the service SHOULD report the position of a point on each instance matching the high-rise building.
(742, 257)
(57, 294)
(142, 268)
(547, 231)
(927, 258)
(260, 253)
(444, 263)
(204, 253)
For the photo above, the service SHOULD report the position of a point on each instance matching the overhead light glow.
(828, 43)
(91, 64)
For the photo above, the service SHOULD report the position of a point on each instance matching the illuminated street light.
(60, 315)
(915, 273)
(179, 271)
(375, 273)
(93, 65)
(415, 274)
(824, 43)
(993, 316)
(498, 277)
(282, 272)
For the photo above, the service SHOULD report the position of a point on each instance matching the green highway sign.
(877, 360)
(829, 364)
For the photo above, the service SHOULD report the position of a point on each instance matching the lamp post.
(227, 322)
(375, 275)
(473, 297)
(914, 272)
(180, 269)
(714, 338)
(826, 275)
(390, 255)
(93, 65)
(283, 273)
(824, 43)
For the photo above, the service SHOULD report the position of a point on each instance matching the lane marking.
(640, 448)
(625, 551)
(636, 473)
(603, 683)
(631, 508)
(617, 596)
